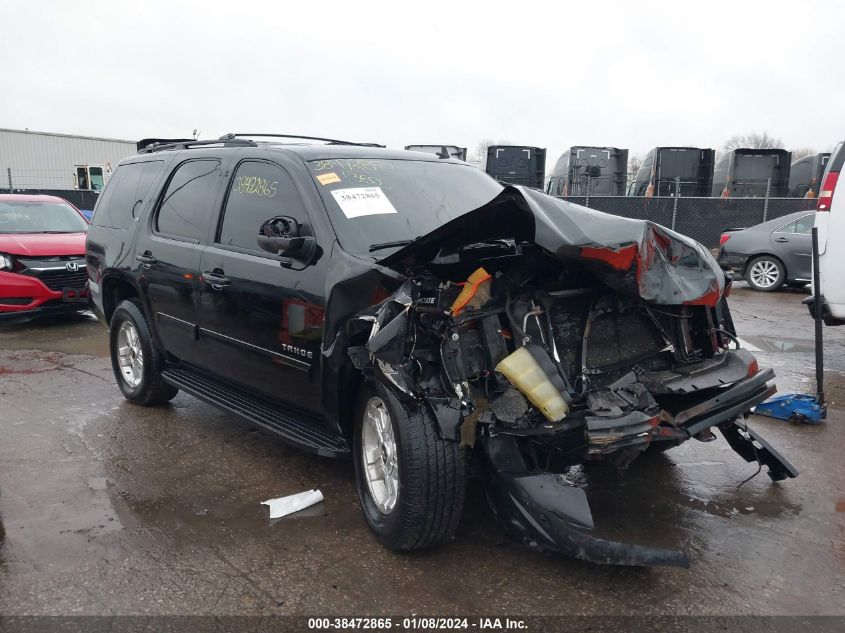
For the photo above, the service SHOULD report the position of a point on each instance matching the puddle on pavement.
(689, 479)
(779, 344)
(834, 388)
(70, 334)
(188, 470)
(29, 364)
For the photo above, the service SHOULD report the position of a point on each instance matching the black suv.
(410, 311)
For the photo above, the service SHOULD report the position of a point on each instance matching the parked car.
(413, 313)
(830, 220)
(42, 256)
(770, 254)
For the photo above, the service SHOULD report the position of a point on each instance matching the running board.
(294, 430)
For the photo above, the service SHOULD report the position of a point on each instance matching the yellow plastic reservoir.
(524, 373)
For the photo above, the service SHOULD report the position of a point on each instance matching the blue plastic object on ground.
(795, 407)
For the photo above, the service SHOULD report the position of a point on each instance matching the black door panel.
(170, 287)
(262, 329)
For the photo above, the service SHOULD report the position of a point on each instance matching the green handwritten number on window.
(255, 186)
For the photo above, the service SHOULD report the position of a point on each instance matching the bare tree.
(480, 155)
(754, 140)
(801, 152)
(635, 161)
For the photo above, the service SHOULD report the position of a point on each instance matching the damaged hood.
(635, 257)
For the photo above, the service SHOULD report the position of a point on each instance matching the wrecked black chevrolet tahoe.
(410, 311)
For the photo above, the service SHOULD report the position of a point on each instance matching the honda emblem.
(72, 266)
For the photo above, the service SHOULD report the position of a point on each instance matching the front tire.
(765, 273)
(135, 361)
(411, 483)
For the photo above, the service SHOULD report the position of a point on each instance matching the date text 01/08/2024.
(417, 623)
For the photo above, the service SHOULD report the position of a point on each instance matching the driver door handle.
(781, 239)
(146, 258)
(215, 280)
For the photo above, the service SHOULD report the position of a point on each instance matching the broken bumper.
(545, 511)
(549, 513)
(727, 404)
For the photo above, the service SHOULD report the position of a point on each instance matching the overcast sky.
(626, 74)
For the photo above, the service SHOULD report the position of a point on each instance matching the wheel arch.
(350, 379)
(117, 288)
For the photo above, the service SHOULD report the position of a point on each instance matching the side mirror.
(286, 237)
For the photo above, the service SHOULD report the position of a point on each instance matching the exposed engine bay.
(538, 347)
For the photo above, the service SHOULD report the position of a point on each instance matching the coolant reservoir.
(525, 373)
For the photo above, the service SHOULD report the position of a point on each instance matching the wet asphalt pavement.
(111, 508)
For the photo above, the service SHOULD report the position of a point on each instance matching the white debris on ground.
(292, 503)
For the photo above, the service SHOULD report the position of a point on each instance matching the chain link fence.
(81, 199)
(702, 219)
(38, 179)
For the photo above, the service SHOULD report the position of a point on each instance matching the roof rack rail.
(330, 141)
(160, 147)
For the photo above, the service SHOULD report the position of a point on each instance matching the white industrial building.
(58, 162)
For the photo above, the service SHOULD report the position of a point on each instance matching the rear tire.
(765, 273)
(136, 362)
(431, 472)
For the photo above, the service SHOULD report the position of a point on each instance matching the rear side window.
(259, 191)
(126, 194)
(803, 225)
(188, 200)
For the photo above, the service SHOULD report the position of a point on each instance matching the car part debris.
(546, 512)
(753, 448)
(292, 503)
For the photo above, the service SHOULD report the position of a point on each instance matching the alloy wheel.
(764, 273)
(381, 459)
(130, 356)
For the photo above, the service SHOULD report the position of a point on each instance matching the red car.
(42, 256)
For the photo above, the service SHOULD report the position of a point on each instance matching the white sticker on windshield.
(360, 201)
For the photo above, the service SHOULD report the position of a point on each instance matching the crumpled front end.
(543, 335)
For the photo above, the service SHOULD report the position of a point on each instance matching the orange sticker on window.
(329, 178)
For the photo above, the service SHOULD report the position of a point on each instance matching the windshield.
(378, 205)
(40, 217)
